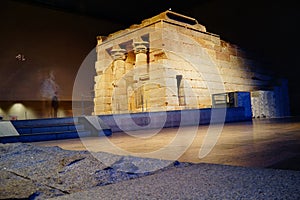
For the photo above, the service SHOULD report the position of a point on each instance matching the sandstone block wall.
(166, 63)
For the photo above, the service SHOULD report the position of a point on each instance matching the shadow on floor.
(288, 164)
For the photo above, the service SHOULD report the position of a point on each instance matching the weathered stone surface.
(203, 181)
(33, 172)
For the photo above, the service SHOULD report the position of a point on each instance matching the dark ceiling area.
(267, 28)
(118, 10)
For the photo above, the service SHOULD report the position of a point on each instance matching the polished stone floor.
(256, 143)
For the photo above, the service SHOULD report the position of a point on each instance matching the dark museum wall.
(50, 41)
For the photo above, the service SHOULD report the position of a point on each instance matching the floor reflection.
(259, 143)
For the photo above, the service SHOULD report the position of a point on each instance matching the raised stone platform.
(47, 129)
(84, 126)
(153, 120)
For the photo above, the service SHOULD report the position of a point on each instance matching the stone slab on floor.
(202, 181)
(7, 129)
(32, 172)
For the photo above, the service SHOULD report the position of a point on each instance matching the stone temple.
(170, 62)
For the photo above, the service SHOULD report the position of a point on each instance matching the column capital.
(118, 53)
(139, 46)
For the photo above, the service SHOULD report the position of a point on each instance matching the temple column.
(119, 96)
(141, 74)
(140, 49)
(118, 55)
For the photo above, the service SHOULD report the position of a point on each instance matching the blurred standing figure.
(54, 105)
(49, 89)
